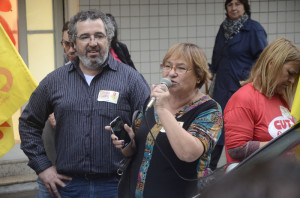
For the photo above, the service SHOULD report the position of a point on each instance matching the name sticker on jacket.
(108, 96)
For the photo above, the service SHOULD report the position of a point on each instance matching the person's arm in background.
(52, 120)
(258, 39)
(219, 42)
(242, 152)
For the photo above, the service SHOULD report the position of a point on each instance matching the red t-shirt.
(251, 116)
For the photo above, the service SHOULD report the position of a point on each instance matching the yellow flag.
(16, 86)
(296, 104)
(6, 137)
(16, 82)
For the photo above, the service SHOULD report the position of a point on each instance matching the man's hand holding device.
(117, 128)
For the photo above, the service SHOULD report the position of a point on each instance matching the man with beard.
(85, 96)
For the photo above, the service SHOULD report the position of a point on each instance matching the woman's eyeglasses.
(177, 69)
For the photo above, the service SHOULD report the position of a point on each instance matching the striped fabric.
(82, 143)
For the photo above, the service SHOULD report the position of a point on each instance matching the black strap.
(192, 114)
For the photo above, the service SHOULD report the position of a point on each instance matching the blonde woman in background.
(260, 110)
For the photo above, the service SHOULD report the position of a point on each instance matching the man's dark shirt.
(82, 144)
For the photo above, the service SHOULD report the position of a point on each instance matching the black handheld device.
(117, 127)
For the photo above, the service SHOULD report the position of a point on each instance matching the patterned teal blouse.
(206, 126)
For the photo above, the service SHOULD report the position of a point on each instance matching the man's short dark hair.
(65, 27)
(90, 15)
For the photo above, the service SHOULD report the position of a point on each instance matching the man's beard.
(93, 64)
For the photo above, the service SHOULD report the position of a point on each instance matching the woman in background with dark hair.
(238, 44)
(119, 50)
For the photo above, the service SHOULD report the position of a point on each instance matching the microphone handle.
(164, 81)
(150, 104)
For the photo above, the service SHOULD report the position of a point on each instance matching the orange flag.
(6, 137)
(16, 86)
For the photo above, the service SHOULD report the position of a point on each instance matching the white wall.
(150, 27)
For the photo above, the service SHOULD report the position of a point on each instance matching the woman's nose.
(172, 72)
(292, 80)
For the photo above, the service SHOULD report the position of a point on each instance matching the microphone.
(165, 81)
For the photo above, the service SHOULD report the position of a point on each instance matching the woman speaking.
(173, 140)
